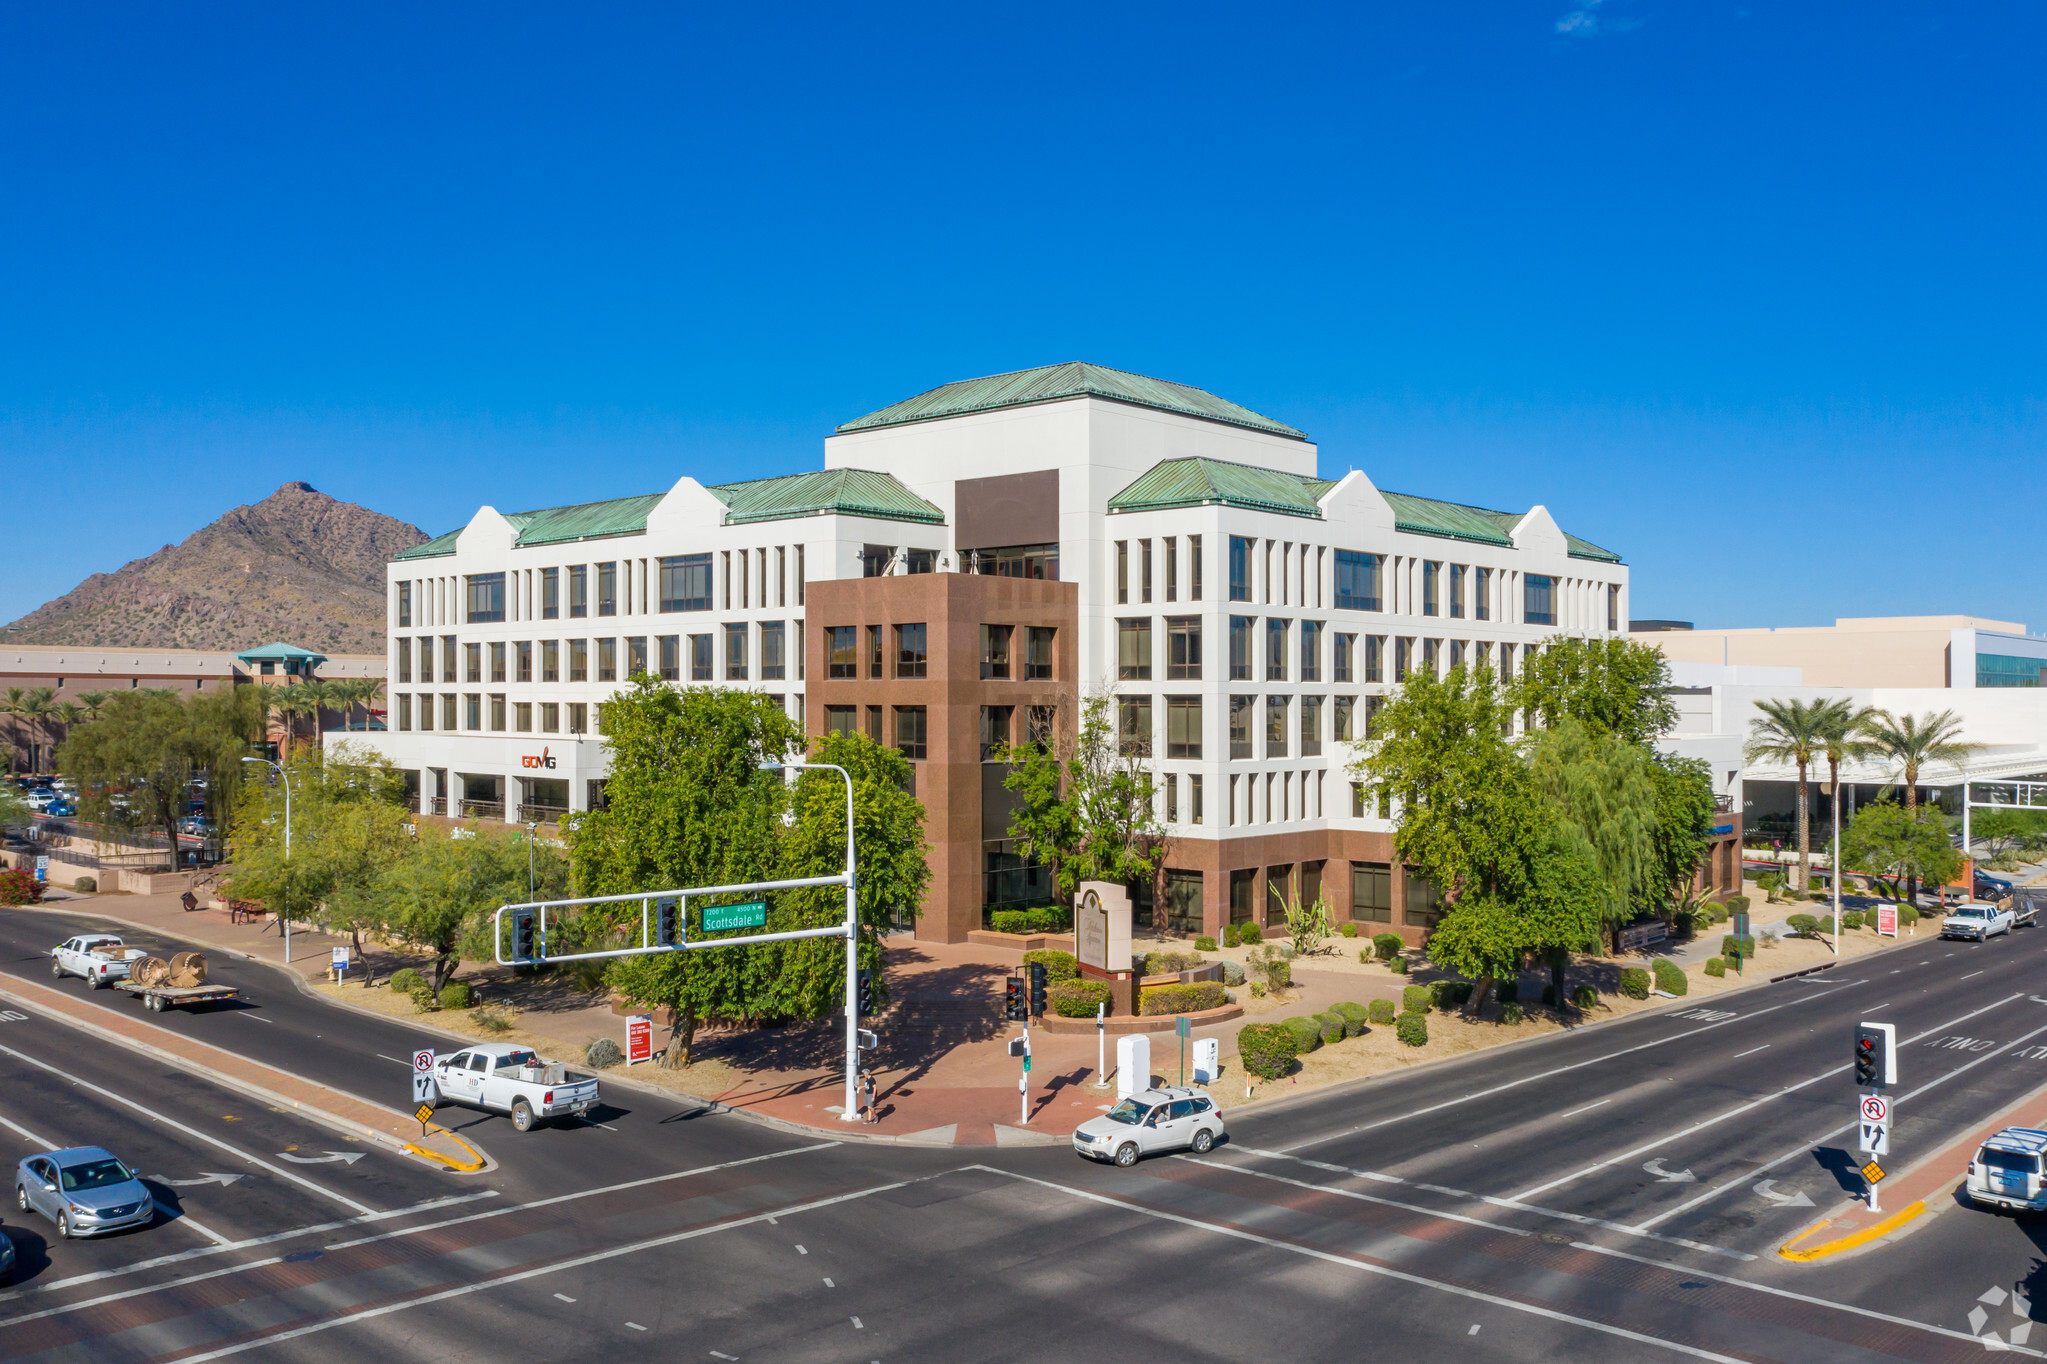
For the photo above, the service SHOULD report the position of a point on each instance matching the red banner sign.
(1887, 920)
(639, 1038)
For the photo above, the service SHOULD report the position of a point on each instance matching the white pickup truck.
(504, 1078)
(99, 958)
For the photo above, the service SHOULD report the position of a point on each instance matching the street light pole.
(851, 1111)
(284, 780)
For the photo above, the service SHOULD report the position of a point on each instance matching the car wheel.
(522, 1115)
(1126, 1154)
(95, 982)
(1202, 1141)
(64, 1226)
(57, 970)
(21, 1197)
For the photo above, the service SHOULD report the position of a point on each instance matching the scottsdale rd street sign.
(719, 918)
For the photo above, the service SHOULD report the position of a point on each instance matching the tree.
(1684, 811)
(1612, 686)
(2006, 833)
(149, 746)
(1792, 731)
(1841, 741)
(1898, 841)
(1912, 741)
(441, 899)
(1547, 915)
(1045, 825)
(38, 708)
(1092, 816)
(1606, 788)
(93, 702)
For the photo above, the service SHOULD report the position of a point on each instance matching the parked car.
(1977, 922)
(1988, 887)
(62, 807)
(84, 1190)
(2006, 1171)
(6, 1257)
(1162, 1119)
(504, 1078)
(99, 959)
(40, 799)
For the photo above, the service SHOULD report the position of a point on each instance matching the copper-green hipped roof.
(1203, 482)
(1051, 383)
(849, 492)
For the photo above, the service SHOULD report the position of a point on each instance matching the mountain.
(298, 566)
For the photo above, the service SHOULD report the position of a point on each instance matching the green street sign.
(1185, 1029)
(719, 918)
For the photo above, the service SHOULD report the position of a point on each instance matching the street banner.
(639, 1038)
(1887, 920)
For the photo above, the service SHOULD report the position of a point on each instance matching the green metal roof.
(1585, 549)
(849, 492)
(1051, 383)
(1215, 482)
(279, 651)
(431, 549)
(585, 520)
(1455, 521)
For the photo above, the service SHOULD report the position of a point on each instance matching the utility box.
(1133, 1065)
(1208, 1059)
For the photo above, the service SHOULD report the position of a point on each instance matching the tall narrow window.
(1193, 568)
(1275, 650)
(579, 660)
(404, 711)
(1172, 557)
(550, 717)
(448, 660)
(1275, 726)
(1193, 799)
(912, 659)
(426, 658)
(1345, 707)
(472, 663)
(405, 605)
(1311, 726)
(472, 710)
(497, 711)
(1144, 569)
(579, 591)
(735, 651)
(1133, 726)
(550, 594)
(1122, 572)
(1311, 651)
(1372, 707)
(844, 643)
(994, 730)
(774, 651)
(1240, 647)
(635, 655)
(1172, 783)
(1402, 647)
(1482, 595)
(1133, 649)
(1041, 726)
(874, 653)
(799, 575)
(1038, 653)
(522, 716)
(1375, 658)
(700, 658)
(1183, 726)
(1539, 599)
(579, 718)
(522, 661)
(1342, 658)
(1613, 607)
(403, 652)
(1432, 657)
(1240, 568)
(1457, 572)
(995, 651)
(671, 658)
(1240, 725)
(1430, 572)
(910, 733)
(1183, 648)
(497, 661)
(1357, 581)
(607, 589)
(550, 661)
(607, 660)
(842, 719)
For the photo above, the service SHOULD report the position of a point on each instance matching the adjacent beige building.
(1868, 651)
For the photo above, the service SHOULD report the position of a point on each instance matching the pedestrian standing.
(867, 1096)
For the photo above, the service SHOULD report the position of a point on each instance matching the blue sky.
(1752, 294)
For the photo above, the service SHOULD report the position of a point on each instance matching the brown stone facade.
(1290, 863)
(952, 607)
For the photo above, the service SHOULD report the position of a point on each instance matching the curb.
(1852, 1239)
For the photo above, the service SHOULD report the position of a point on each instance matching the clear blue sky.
(1750, 293)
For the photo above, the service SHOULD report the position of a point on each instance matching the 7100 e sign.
(719, 918)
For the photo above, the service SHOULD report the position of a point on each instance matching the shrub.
(1248, 934)
(1715, 967)
(1229, 935)
(1803, 926)
(1365, 956)
(1510, 1012)
(1731, 946)
(1204, 943)
(1307, 1033)
(1048, 919)
(1010, 920)
(1452, 994)
(1398, 966)
(602, 1053)
(1907, 915)
(1379, 1011)
(1266, 1049)
(1585, 997)
(85, 885)
(1058, 965)
(1353, 1015)
(18, 886)
(1851, 921)
(1279, 973)
(403, 979)
(1413, 1029)
(1507, 991)
(1670, 977)
(1349, 930)
(1168, 963)
(1815, 883)
(1179, 999)
(423, 1001)
(1737, 904)
(1387, 945)
(1635, 982)
(490, 1020)
(1334, 1027)
(1257, 989)
(1416, 998)
(1715, 911)
(457, 994)
(1233, 972)
(1077, 998)
(1768, 939)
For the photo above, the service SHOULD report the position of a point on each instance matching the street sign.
(340, 959)
(42, 866)
(639, 1038)
(1873, 1172)
(1887, 920)
(719, 918)
(1875, 1138)
(423, 1112)
(423, 1079)
(1184, 1027)
(1875, 1108)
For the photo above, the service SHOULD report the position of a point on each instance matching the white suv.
(2006, 1171)
(1151, 1120)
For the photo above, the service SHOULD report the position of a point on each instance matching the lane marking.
(1586, 1109)
(381, 1057)
(1750, 1052)
(209, 1233)
(209, 1139)
(1348, 1262)
(42, 1143)
(520, 1276)
(564, 1297)
(1971, 976)
(636, 1326)
(1650, 1147)
(1885, 1005)
(253, 1017)
(857, 1326)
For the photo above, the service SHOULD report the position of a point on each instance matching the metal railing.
(530, 813)
(483, 809)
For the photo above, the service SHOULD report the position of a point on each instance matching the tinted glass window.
(95, 1174)
(1183, 1108)
(2014, 1161)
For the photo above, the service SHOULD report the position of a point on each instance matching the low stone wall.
(1118, 1024)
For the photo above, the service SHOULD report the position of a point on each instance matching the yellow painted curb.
(451, 1164)
(1850, 1241)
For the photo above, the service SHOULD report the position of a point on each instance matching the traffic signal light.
(865, 995)
(1039, 979)
(667, 923)
(1013, 1006)
(1876, 1057)
(522, 934)
(1865, 1058)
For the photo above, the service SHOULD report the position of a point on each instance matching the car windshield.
(1129, 1111)
(95, 1174)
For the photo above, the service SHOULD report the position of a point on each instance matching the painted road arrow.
(1768, 1189)
(350, 1158)
(222, 1180)
(1655, 1167)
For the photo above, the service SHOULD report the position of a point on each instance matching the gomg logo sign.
(529, 760)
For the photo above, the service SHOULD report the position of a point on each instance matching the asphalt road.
(1593, 1196)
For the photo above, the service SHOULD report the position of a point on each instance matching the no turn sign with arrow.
(1876, 1108)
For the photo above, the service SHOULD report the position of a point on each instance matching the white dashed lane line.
(564, 1297)
(1576, 1111)
(636, 1326)
(1750, 1052)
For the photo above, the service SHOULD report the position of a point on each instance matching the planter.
(1117, 1025)
(1022, 942)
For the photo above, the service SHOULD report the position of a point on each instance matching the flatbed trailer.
(161, 997)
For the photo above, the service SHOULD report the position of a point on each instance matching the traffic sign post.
(340, 962)
(423, 1080)
(1185, 1030)
(424, 1112)
(1873, 1127)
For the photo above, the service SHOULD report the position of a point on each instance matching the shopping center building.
(965, 568)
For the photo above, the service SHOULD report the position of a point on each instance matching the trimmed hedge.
(1379, 1011)
(1669, 977)
(456, 994)
(1347, 929)
(402, 980)
(1416, 998)
(1354, 1017)
(1044, 919)
(1204, 943)
(1737, 904)
(1306, 1031)
(1715, 911)
(1851, 921)
(1803, 926)
(1009, 920)
(1412, 1029)
(423, 1001)
(1229, 935)
(1266, 1049)
(1076, 998)
(1248, 934)
(1907, 915)
(1387, 945)
(1715, 967)
(1635, 982)
(1058, 965)
(1510, 1012)
(1731, 946)
(1160, 1000)
(1398, 966)
(1334, 1027)
(1169, 963)
(1585, 997)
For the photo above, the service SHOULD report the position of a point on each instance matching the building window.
(1133, 650)
(1275, 650)
(497, 712)
(1538, 600)
(874, 560)
(1183, 648)
(1144, 570)
(1240, 725)
(1240, 647)
(910, 740)
(1172, 557)
(1430, 572)
(1375, 658)
(844, 643)
(995, 651)
(550, 594)
(1122, 572)
(426, 658)
(607, 589)
(1373, 704)
(1014, 561)
(405, 712)
(801, 649)
(472, 710)
(1183, 726)
(735, 651)
(1371, 883)
(635, 655)
(607, 660)
(1311, 651)
(1240, 568)
(497, 662)
(1430, 651)
(1193, 568)
(1457, 572)
(550, 717)
(1506, 663)
(403, 653)
(1482, 595)
(1357, 581)
(1276, 879)
(1402, 648)
(1038, 653)
(1357, 800)
(874, 655)
(579, 661)
(700, 666)
(405, 605)
(1194, 797)
(1613, 606)
(2010, 670)
(447, 710)
(1040, 726)
(1456, 654)
(1423, 903)
(912, 656)
(799, 575)
(486, 598)
(781, 575)
(1341, 668)
(522, 717)
(671, 658)
(447, 658)
(842, 720)
(1242, 883)
(472, 663)
(1311, 728)
(994, 730)
(1344, 707)
(1275, 726)
(686, 582)
(1172, 785)
(774, 651)
(522, 661)
(579, 718)
(550, 661)
(1133, 726)
(579, 591)
(1184, 907)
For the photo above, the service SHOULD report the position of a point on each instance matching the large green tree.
(440, 899)
(147, 748)
(1091, 815)
(1900, 843)
(1606, 788)
(1612, 686)
(1794, 731)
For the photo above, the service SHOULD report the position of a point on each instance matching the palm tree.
(1791, 731)
(93, 702)
(38, 708)
(1841, 742)
(10, 705)
(1911, 741)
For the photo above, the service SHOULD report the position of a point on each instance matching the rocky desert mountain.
(298, 566)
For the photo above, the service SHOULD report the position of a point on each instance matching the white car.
(99, 959)
(1152, 1120)
(1980, 922)
(2006, 1171)
(505, 1078)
